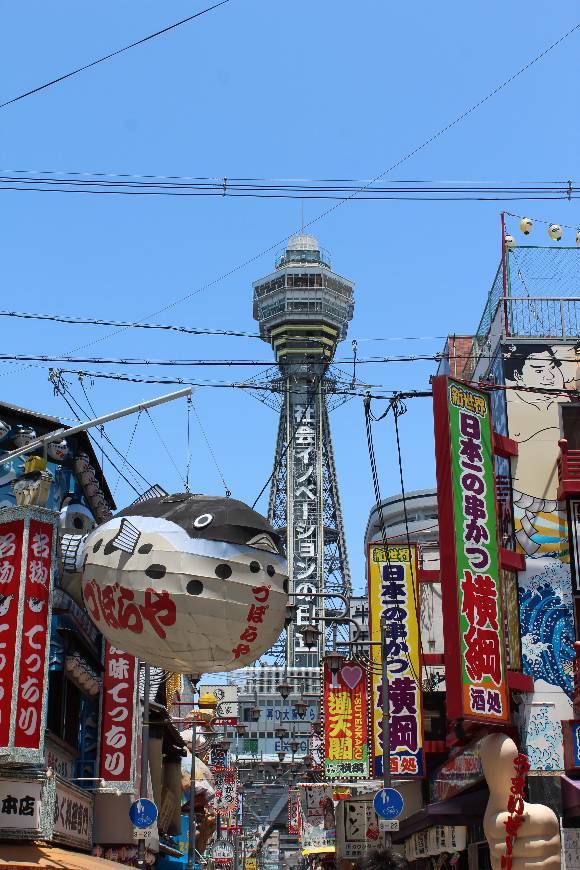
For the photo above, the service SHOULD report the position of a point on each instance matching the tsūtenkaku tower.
(303, 309)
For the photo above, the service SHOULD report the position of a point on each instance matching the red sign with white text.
(118, 715)
(34, 637)
(11, 536)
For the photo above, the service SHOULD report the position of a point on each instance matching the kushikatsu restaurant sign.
(475, 665)
(392, 577)
(27, 554)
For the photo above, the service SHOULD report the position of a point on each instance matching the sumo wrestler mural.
(538, 378)
(190, 583)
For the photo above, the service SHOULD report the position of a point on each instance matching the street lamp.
(316, 725)
(293, 744)
(335, 661)
(284, 688)
(301, 707)
(281, 756)
(310, 634)
(281, 733)
(308, 761)
(255, 713)
(241, 729)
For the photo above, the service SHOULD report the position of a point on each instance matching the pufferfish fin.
(263, 542)
(127, 537)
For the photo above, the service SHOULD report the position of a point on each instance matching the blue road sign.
(388, 803)
(143, 813)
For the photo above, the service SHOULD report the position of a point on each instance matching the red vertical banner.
(346, 750)
(27, 551)
(11, 538)
(34, 635)
(118, 732)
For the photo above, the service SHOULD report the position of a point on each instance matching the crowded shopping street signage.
(27, 554)
(346, 750)
(118, 719)
(475, 663)
(392, 577)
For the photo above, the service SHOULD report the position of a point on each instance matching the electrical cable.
(165, 447)
(104, 435)
(105, 57)
(384, 537)
(127, 481)
(129, 445)
(290, 441)
(250, 260)
(211, 451)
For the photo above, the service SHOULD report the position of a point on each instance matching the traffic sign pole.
(144, 755)
(386, 717)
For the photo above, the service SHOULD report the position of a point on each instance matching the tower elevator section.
(303, 309)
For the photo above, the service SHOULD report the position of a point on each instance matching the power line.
(264, 190)
(341, 202)
(92, 321)
(105, 57)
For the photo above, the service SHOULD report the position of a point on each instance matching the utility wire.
(225, 275)
(165, 447)
(211, 452)
(92, 321)
(384, 537)
(105, 57)
(104, 435)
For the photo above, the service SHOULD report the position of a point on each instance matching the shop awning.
(570, 797)
(461, 809)
(31, 855)
(319, 850)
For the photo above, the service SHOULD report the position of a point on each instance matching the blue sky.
(278, 90)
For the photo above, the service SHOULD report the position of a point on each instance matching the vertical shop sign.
(11, 538)
(34, 636)
(27, 552)
(293, 811)
(393, 598)
(226, 792)
(475, 663)
(118, 728)
(346, 751)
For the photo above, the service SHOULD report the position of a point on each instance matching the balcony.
(568, 471)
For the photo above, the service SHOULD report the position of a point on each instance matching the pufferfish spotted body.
(191, 583)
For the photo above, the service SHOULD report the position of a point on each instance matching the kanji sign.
(27, 552)
(73, 816)
(293, 811)
(346, 751)
(392, 576)
(226, 791)
(118, 727)
(475, 664)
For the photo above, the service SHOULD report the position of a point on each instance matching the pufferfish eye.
(202, 521)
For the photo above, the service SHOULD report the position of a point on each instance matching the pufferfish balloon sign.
(190, 583)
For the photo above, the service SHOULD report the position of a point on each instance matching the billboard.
(27, 554)
(393, 597)
(346, 750)
(475, 661)
(118, 719)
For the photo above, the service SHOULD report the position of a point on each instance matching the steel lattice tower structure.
(303, 309)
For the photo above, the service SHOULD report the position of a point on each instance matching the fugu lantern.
(190, 583)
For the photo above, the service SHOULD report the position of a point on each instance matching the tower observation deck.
(303, 309)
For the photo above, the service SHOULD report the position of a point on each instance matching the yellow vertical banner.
(394, 598)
